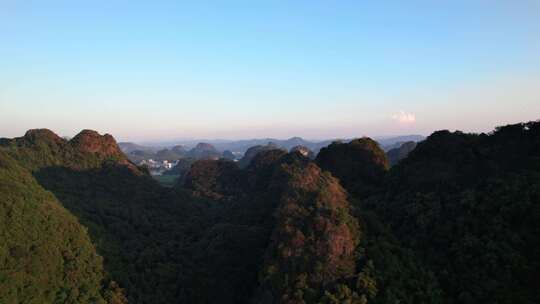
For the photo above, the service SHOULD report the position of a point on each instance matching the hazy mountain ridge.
(244, 144)
(396, 154)
(166, 151)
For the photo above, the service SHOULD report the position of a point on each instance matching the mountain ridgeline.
(452, 219)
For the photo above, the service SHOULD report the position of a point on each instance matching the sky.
(154, 70)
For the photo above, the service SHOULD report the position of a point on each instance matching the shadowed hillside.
(360, 164)
(46, 255)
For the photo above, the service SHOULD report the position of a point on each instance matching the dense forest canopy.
(455, 219)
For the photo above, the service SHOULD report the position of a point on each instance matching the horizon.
(239, 70)
(169, 141)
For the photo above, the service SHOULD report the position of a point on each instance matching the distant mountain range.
(128, 147)
(241, 146)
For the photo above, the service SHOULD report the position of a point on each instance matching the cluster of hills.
(170, 165)
(452, 219)
(225, 148)
(137, 153)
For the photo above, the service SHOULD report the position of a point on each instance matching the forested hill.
(456, 221)
(41, 148)
(46, 255)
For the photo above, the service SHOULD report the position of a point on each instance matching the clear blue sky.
(239, 69)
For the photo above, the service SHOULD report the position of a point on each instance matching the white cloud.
(404, 117)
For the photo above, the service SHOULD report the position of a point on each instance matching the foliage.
(166, 180)
(46, 256)
(469, 207)
(314, 239)
(359, 165)
(457, 221)
(213, 179)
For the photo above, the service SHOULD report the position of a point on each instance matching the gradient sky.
(244, 69)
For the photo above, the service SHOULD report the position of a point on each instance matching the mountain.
(465, 204)
(253, 151)
(137, 156)
(145, 153)
(212, 178)
(304, 231)
(171, 155)
(456, 221)
(47, 256)
(312, 247)
(227, 154)
(179, 149)
(128, 147)
(137, 153)
(243, 145)
(126, 213)
(396, 154)
(360, 164)
(469, 206)
(392, 142)
(204, 151)
(42, 148)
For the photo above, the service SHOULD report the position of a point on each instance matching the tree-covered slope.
(301, 221)
(41, 148)
(314, 238)
(136, 225)
(360, 165)
(46, 256)
(469, 206)
(397, 154)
